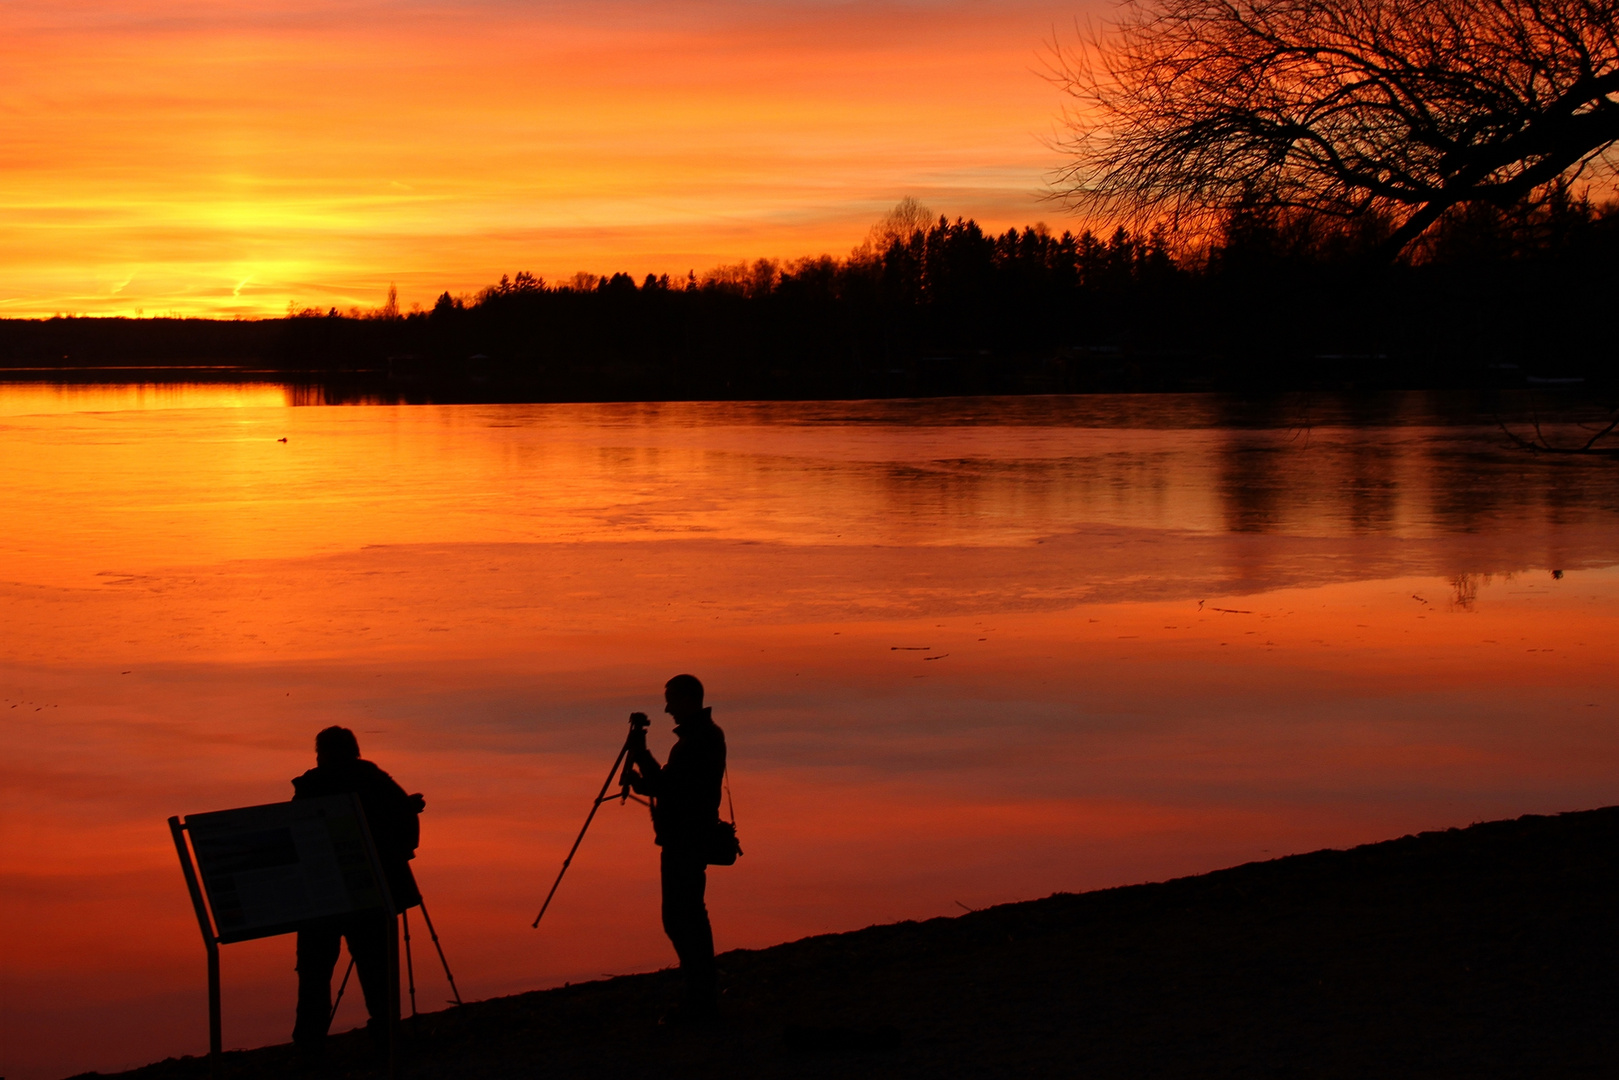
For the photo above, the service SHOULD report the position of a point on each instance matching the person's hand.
(418, 802)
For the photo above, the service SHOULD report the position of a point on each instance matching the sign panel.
(268, 868)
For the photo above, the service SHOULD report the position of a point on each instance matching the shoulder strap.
(725, 778)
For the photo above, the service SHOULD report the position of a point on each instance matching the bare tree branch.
(1187, 109)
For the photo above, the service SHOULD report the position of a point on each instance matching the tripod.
(621, 769)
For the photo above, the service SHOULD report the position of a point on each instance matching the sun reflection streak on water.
(964, 654)
(53, 398)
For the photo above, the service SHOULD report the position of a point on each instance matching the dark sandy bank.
(1487, 951)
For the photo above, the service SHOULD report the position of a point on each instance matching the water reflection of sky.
(965, 652)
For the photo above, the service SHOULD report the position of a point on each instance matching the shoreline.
(1485, 951)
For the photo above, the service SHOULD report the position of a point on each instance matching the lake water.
(965, 652)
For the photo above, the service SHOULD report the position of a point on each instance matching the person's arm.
(408, 809)
(642, 769)
(412, 821)
(397, 822)
(646, 775)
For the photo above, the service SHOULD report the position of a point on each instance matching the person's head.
(336, 745)
(682, 696)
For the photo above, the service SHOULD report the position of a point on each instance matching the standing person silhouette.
(391, 816)
(685, 795)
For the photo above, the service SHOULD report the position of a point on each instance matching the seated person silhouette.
(395, 829)
(685, 795)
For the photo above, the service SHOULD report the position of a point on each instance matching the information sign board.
(266, 869)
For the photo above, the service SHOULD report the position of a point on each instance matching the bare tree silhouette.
(907, 218)
(1188, 109)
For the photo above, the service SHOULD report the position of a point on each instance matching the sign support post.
(215, 1025)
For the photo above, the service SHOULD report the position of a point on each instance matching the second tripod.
(620, 769)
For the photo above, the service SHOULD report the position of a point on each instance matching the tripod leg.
(410, 970)
(434, 935)
(344, 985)
(601, 796)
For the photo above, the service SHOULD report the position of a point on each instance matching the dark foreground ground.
(1483, 952)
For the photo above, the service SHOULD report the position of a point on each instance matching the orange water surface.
(965, 652)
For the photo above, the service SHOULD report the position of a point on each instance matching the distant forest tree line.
(1282, 298)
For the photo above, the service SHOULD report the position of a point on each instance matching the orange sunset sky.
(206, 157)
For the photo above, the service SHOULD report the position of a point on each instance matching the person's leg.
(367, 936)
(317, 956)
(685, 920)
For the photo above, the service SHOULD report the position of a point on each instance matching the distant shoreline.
(1485, 952)
(170, 373)
(942, 308)
(428, 386)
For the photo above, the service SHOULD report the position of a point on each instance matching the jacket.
(391, 815)
(686, 790)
